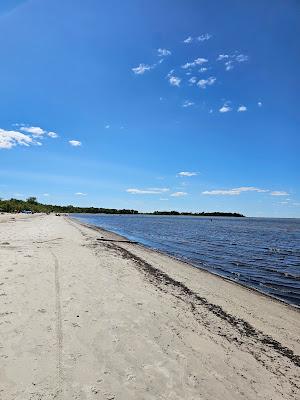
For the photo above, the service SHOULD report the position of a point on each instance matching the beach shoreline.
(86, 318)
(188, 263)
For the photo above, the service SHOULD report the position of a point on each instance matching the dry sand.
(83, 318)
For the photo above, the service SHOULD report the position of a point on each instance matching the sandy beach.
(86, 315)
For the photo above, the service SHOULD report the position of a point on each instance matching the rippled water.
(262, 253)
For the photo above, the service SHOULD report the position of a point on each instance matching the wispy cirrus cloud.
(193, 80)
(187, 103)
(75, 143)
(141, 69)
(187, 173)
(234, 191)
(205, 36)
(241, 58)
(279, 193)
(230, 60)
(203, 83)
(222, 57)
(178, 194)
(147, 191)
(163, 52)
(189, 39)
(80, 194)
(197, 61)
(200, 38)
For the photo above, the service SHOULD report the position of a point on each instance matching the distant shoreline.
(32, 205)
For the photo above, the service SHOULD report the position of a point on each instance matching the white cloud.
(187, 173)
(279, 193)
(174, 81)
(231, 59)
(259, 104)
(189, 39)
(163, 199)
(46, 194)
(235, 191)
(9, 139)
(241, 58)
(141, 69)
(75, 143)
(53, 135)
(170, 73)
(205, 36)
(107, 126)
(34, 130)
(225, 108)
(222, 57)
(229, 65)
(197, 61)
(178, 194)
(187, 103)
(147, 191)
(242, 109)
(193, 80)
(203, 83)
(203, 69)
(80, 194)
(163, 52)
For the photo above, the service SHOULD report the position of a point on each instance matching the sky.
(183, 105)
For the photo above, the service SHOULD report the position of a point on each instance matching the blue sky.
(151, 105)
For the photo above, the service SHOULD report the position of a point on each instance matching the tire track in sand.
(59, 334)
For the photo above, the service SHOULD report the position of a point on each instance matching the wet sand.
(87, 318)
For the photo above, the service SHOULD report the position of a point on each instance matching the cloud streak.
(279, 193)
(178, 194)
(234, 191)
(187, 173)
(187, 103)
(147, 191)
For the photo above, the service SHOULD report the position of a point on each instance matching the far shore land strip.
(32, 205)
(83, 318)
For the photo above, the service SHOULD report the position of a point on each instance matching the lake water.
(261, 253)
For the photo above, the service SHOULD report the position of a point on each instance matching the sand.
(86, 318)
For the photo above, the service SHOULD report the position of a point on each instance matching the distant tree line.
(31, 204)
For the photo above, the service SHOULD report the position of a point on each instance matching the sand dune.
(85, 318)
